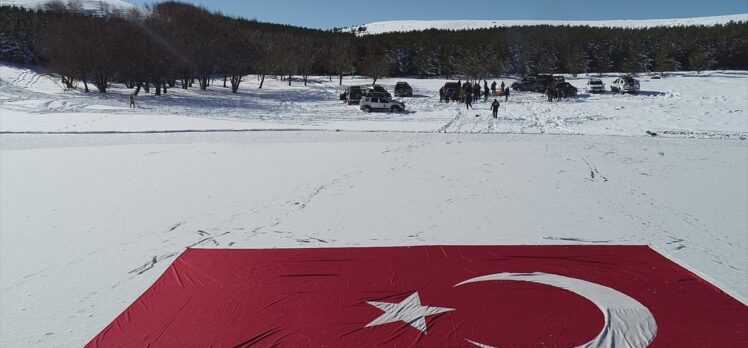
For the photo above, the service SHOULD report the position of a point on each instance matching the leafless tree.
(376, 65)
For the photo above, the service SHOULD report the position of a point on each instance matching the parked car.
(451, 90)
(625, 84)
(377, 90)
(595, 85)
(536, 83)
(352, 95)
(403, 89)
(369, 104)
(566, 89)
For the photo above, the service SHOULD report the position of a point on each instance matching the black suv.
(565, 89)
(403, 89)
(352, 95)
(377, 90)
(536, 83)
(451, 90)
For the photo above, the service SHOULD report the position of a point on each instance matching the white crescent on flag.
(628, 323)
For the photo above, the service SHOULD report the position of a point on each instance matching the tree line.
(172, 44)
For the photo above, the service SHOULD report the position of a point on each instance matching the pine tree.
(575, 62)
(632, 61)
(664, 61)
(700, 60)
(603, 63)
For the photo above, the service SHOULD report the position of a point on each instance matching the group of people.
(470, 92)
(554, 94)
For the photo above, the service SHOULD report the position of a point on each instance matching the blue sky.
(327, 14)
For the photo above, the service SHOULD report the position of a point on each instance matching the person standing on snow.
(506, 94)
(485, 90)
(132, 101)
(493, 88)
(476, 91)
(502, 86)
(468, 97)
(495, 108)
(441, 94)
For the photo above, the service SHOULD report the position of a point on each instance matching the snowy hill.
(415, 25)
(86, 5)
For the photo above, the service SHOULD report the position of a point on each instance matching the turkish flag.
(434, 296)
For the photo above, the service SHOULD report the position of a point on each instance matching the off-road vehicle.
(403, 89)
(369, 104)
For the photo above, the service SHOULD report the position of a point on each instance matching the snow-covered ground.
(415, 25)
(89, 221)
(711, 104)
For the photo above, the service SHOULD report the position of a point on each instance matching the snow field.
(683, 104)
(89, 221)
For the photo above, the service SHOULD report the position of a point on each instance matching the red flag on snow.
(456, 296)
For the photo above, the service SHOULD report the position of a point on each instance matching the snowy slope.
(414, 25)
(88, 5)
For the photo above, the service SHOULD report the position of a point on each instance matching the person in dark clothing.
(549, 94)
(502, 85)
(493, 88)
(506, 94)
(441, 94)
(132, 101)
(468, 97)
(459, 84)
(485, 90)
(476, 91)
(495, 108)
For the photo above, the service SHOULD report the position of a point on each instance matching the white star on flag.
(409, 311)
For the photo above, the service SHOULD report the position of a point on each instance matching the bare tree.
(341, 55)
(237, 53)
(309, 53)
(376, 65)
(284, 57)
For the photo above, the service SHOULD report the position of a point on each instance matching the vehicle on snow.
(403, 89)
(352, 95)
(595, 85)
(537, 83)
(377, 90)
(625, 84)
(565, 89)
(369, 104)
(451, 90)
